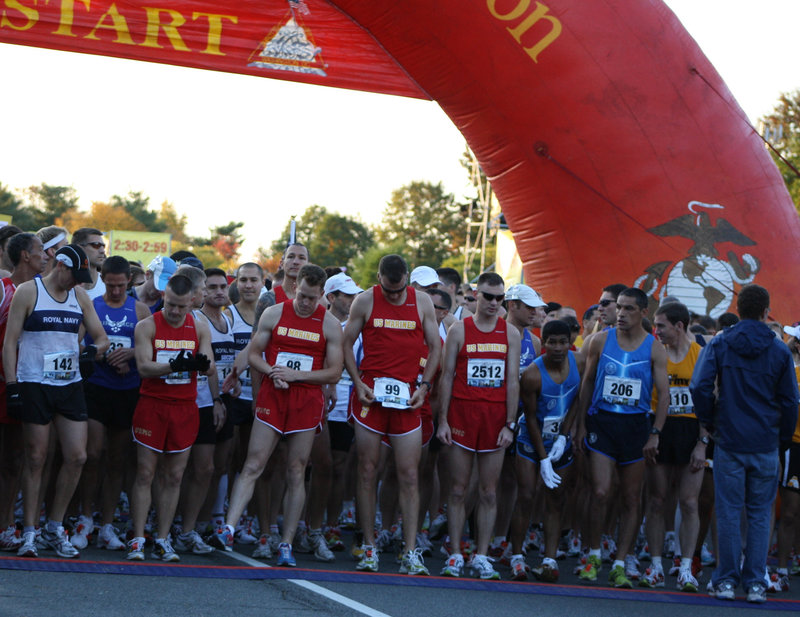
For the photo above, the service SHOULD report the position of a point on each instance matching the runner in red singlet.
(294, 257)
(395, 323)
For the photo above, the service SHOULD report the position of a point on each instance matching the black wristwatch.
(426, 383)
(511, 426)
(704, 439)
(655, 431)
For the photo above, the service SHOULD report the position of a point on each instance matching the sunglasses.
(489, 297)
(440, 308)
(95, 245)
(605, 302)
(470, 299)
(392, 292)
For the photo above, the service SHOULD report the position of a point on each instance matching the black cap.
(75, 259)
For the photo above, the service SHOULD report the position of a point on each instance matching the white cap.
(342, 282)
(527, 295)
(162, 268)
(425, 276)
(792, 331)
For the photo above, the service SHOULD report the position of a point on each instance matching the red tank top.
(167, 343)
(481, 363)
(280, 295)
(301, 339)
(8, 292)
(393, 338)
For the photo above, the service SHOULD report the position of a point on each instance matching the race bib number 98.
(294, 361)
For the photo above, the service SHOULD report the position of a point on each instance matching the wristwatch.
(704, 439)
(511, 426)
(655, 431)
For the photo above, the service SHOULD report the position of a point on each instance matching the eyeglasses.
(605, 302)
(95, 245)
(470, 299)
(489, 297)
(392, 292)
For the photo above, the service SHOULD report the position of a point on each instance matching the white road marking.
(327, 593)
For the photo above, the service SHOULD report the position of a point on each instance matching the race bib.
(551, 427)
(345, 381)
(119, 342)
(294, 361)
(484, 373)
(621, 391)
(245, 378)
(680, 401)
(60, 365)
(224, 368)
(392, 393)
(163, 356)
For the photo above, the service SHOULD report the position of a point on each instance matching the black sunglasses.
(95, 245)
(489, 297)
(606, 302)
(393, 292)
(440, 308)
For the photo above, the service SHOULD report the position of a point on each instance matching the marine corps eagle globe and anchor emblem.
(702, 281)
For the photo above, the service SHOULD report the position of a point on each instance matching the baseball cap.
(162, 268)
(527, 295)
(342, 282)
(75, 259)
(793, 330)
(425, 276)
(192, 261)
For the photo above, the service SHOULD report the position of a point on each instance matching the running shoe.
(778, 582)
(454, 566)
(285, 557)
(162, 549)
(356, 551)
(412, 564)
(383, 541)
(136, 549)
(275, 540)
(574, 544)
(757, 594)
(618, 579)
(10, 539)
(192, 541)
(245, 532)
(424, 543)
(108, 538)
(644, 553)
(347, 519)
(675, 568)
(707, 557)
(590, 570)
(438, 525)
(482, 568)
(320, 547)
(263, 551)
(724, 591)
(369, 559)
(505, 557)
(334, 539)
(534, 541)
(547, 572)
(59, 542)
(28, 547)
(302, 543)
(697, 566)
(222, 538)
(653, 577)
(519, 569)
(80, 533)
(795, 569)
(608, 549)
(496, 550)
(687, 582)
(670, 545)
(632, 567)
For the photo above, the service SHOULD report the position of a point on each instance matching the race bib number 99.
(392, 393)
(621, 391)
(483, 373)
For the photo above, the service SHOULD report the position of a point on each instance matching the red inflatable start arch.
(615, 149)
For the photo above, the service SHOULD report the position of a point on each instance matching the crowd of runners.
(183, 409)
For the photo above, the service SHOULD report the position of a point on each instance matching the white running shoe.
(482, 567)
(109, 539)
(80, 533)
(192, 541)
(320, 547)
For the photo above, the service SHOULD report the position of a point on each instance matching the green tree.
(365, 267)
(784, 135)
(332, 239)
(426, 220)
(49, 203)
(13, 206)
(173, 223)
(138, 206)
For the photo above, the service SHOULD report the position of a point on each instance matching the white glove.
(550, 477)
(557, 451)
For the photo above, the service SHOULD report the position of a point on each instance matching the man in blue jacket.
(754, 408)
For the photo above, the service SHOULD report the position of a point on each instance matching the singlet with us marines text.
(297, 342)
(167, 344)
(48, 345)
(481, 363)
(393, 338)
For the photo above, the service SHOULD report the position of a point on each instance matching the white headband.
(53, 241)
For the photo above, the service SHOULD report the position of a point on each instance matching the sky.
(223, 147)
